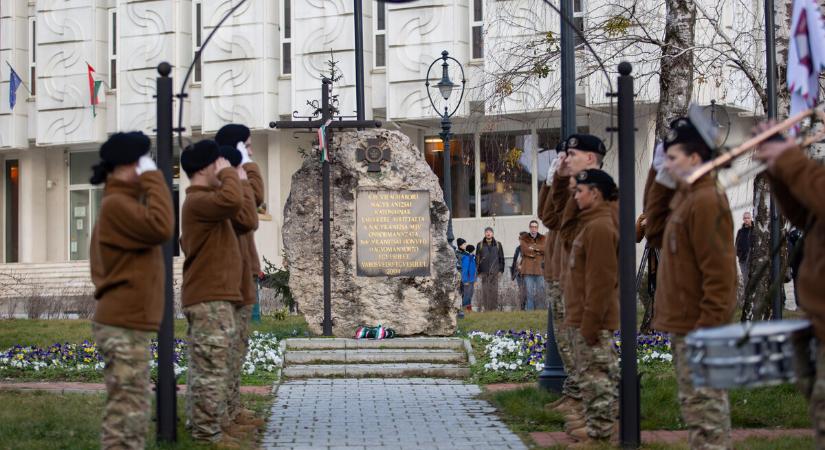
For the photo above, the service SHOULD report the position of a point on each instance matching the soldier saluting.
(696, 284)
(126, 260)
(234, 140)
(212, 274)
(591, 290)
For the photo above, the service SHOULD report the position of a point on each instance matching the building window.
(380, 34)
(578, 20)
(197, 36)
(33, 55)
(286, 39)
(477, 29)
(506, 181)
(462, 171)
(12, 210)
(113, 49)
(84, 203)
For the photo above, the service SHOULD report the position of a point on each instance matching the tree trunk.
(675, 80)
(758, 299)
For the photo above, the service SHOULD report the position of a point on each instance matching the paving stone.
(349, 414)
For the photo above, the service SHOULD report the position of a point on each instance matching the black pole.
(326, 114)
(568, 71)
(553, 376)
(446, 135)
(359, 58)
(770, 63)
(166, 385)
(630, 434)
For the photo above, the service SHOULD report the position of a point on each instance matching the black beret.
(199, 155)
(124, 148)
(587, 143)
(682, 131)
(598, 178)
(231, 154)
(231, 134)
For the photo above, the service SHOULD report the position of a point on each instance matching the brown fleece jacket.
(245, 223)
(696, 285)
(798, 184)
(125, 255)
(213, 268)
(656, 208)
(253, 172)
(591, 290)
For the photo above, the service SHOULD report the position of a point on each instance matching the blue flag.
(14, 83)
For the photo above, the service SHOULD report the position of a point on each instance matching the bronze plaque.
(392, 233)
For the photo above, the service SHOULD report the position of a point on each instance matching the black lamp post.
(445, 89)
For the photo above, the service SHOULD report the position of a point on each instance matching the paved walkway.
(350, 414)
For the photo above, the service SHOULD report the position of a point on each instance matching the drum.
(750, 354)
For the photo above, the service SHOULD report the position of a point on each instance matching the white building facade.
(264, 64)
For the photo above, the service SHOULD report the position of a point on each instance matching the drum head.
(757, 329)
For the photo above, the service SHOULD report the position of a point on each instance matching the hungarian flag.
(806, 55)
(94, 89)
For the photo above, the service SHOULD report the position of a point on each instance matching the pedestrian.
(490, 261)
(212, 274)
(560, 214)
(515, 275)
(460, 246)
(468, 276)
(532, 265)
(696, 286)
(236, 146)
(744, 242)
(592, 290)
(126, 261)
(798, 182)
(795, 243)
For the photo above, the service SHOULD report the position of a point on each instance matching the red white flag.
(806, 55)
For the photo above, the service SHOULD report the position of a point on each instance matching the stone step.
(396, 343)
(408, 370)
(375, 355)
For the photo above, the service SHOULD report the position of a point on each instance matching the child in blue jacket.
(468, 275)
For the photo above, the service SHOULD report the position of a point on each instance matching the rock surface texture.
(410, 305)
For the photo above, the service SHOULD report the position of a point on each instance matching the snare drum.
(749, 354)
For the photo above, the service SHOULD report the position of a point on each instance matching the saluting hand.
(221, 163)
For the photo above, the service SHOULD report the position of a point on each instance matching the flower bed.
(85, 361)
(514, 356)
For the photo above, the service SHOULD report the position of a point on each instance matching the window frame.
(197, 36)
(286, 38)
(476, 24)
(32, 75)
(378, 31)
(580, 15)
(112, 48)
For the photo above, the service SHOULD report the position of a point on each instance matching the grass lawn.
(491, 322)
(37, 420)
(787, 443)
(771, 407)
(47, 332)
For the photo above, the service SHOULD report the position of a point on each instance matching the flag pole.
(22, 83)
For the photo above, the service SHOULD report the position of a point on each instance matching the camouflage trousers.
(598, 373)
(705, 411)
(210, 336)
(564, 339)
(243, 314)
(811, 382)
(126, 373)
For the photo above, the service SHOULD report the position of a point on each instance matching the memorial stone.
(391, 263)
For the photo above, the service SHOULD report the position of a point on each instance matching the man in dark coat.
(490, 261)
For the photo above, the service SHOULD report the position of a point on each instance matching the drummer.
(798, 183)
(696, 286)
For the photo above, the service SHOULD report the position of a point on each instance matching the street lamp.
(445, 89)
